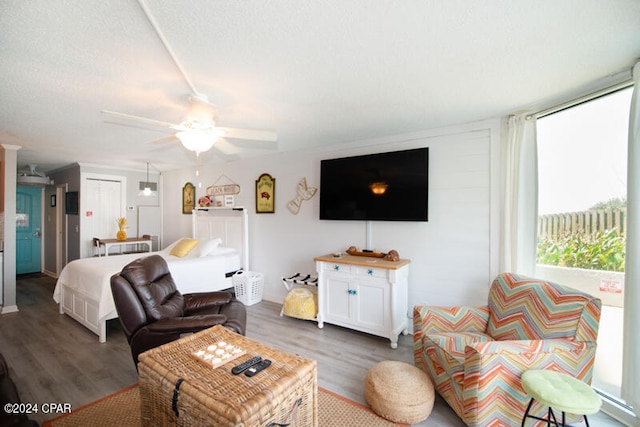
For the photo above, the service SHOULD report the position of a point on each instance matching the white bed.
(83, 289)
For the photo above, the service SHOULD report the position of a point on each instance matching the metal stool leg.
(526, 413)
(549, 416)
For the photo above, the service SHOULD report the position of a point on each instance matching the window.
(582, 184)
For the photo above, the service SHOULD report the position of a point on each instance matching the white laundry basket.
(248, 286)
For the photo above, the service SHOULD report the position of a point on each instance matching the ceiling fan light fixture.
(198, 141)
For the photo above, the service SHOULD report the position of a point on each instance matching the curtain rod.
(586, 98)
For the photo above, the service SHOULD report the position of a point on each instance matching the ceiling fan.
(198, 131)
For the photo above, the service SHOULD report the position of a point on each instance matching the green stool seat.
(561, 392)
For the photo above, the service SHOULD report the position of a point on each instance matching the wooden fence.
(588, 222)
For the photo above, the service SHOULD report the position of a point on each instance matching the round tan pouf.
(399, 392)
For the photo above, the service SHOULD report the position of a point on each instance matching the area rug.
(122, 409)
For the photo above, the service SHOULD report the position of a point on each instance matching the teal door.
(28, 229)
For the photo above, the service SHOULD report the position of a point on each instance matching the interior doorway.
(28, 229)
(54, 230)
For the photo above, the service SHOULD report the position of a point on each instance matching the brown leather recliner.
(153, 312)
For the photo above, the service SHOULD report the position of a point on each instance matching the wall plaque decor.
(188, 198)
(265, 194)
(222, 191)
(223, 187)
(304, 193)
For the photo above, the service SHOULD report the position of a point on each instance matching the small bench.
(299, 279)
(561, 392)
(301, 302)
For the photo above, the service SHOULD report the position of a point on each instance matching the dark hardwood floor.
(54, 359)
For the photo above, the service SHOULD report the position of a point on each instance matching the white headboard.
(231, 225)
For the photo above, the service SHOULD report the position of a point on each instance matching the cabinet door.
(336, 291)
(371, 305)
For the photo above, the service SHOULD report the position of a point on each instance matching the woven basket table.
(176, 389)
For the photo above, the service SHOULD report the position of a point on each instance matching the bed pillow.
(205, 247)
(183, 247)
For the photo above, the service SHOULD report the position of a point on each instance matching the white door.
(101, 206)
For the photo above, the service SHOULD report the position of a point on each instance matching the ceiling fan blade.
(226, 147)
(130, 117)
(224, 156)
(254, 134)
(161, 141)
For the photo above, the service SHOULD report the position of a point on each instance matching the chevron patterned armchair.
(476, 355)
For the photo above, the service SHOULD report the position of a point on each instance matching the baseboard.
(51, 274)
(9, 309)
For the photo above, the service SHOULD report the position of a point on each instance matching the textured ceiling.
(318, 72)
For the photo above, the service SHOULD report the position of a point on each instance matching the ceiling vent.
(32, 177)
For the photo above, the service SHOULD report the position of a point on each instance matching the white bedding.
(92, 276)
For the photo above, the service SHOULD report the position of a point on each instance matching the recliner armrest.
(187, 324)
(203, 300)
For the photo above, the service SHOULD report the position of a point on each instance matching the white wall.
(453, 255)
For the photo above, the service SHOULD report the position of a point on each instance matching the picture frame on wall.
(71, 205)
(265, 194)
(188, 198)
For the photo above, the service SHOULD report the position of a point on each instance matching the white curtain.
(520, 196)
(631, 352)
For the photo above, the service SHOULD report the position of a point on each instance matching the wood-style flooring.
(54, 359)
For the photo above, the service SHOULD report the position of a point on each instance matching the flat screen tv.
(391, 186)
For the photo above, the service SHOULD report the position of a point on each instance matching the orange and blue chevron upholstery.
(475, 355)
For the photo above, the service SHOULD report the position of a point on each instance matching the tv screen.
(389, 186)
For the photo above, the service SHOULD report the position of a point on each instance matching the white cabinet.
(366, 294)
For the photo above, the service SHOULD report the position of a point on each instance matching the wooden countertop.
(363, 261)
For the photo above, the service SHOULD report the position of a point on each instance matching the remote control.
(238, 369)
(257, 368)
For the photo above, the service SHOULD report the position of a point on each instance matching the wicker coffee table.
(177, 389)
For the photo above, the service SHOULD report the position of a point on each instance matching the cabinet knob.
(336, 267)
(352, 292)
